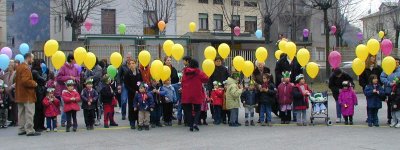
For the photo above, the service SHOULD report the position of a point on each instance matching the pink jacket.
(65, 73)
(347, 100)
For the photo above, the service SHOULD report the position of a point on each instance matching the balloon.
(335, 59)
(166, 73)
(373, 46)
(34, 19)
(248, 68)
(261, 54)
(333, 29)
(58, 59)
(79, 55)
(312, 69)
(388, 65)
(210, 53)
(111, 71)
(90, 60)
(161, 26)
(4, 62)
(258, 34)
(7, 51)
(177, 51)
(192, 27)
(282, 45)
(50, 47)
(116, 59)
(122, 28)
(358, 66)
(362, 52)
(155, 69)
(360, 36)
(306, 32)
(238, 63)
(23, 48)
(278, 54)
(303, 56)
(224, 50)
(236, 31)
(381, 34)
(386, 46)
(290, 50)
(19, 57)
(43, 66)
(144, 58)
(208, 67)
(79, 68)
(167, 46)
(88, 25)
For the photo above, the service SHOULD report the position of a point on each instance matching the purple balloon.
(360, 36)
(7, 51)
(306, 32)
(79, 68)
(34, 18)
(236, 30)
(335, 59)
(333, 29)
(386, 47)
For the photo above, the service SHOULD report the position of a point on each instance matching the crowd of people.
(31, 95)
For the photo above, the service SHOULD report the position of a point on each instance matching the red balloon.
(236, 30)
(335, 59)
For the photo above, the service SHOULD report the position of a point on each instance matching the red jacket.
(285, 95)
(68, 103)
(217, 97)
(192, 86)
(51, 109)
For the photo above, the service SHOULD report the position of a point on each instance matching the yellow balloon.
(278, 54)
(290, 50)
(381, 34)
(238, 63)
(248, 68)
(303, 56)
(80, 55)
(224, 50)
(192, 27)
(166, 74)
(373, 46)
(116, 59)
(144, 58)
(282, 45)
(210, 53)
(90, 60)
(208, 67)
(167, 46)
(358, 66)
(261, 54)
(312, 69)
(177, 52)
(50, 47)
(388, 65)
(362, 52)
(58, 59)
(156, 69)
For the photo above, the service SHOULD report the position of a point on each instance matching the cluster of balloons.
(6, 54)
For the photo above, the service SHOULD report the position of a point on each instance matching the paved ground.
(338, 136)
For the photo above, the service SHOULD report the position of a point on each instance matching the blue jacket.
(249, 97)
(142, 105)
(387, 80)
(374, 100)
(169, 93)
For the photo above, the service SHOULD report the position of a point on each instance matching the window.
(149, 16)
(250, 3)
(236, 20)
(218, 2)
(11, 41)
(203, 20)
(108, 21)
(203, 1)
(235, 2)
(250, 24)
(218, 23)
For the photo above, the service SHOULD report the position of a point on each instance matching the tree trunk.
(397, 39)
(267, 33)
(328, 67)
(76, 30)
(232, 40)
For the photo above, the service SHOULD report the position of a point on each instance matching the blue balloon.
(4, 61)
(20, 58)
(24, 48)
(44, 67)
(259, 34)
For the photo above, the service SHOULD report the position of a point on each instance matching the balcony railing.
(130, 30)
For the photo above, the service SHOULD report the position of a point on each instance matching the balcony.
(130, 30)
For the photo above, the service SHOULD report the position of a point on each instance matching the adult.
(123, 70)
(285, 64)
(193, 93)
(257, 75)
(335, 84)
(96, 74)
(220, 74)
(371, 68)
(66, 72)
(174, 74)
(38, 119)
(132, 76)
(388, 82)
(25, 96)
(9, 79)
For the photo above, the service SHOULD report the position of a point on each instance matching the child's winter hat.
(286, 74)
(345, 84)
(299, 77)
(252, 82)
(69, 82)
(89, 81)
(396, 80)
(50, 90)
(106, 78)
(235, 75)
(217, 83)
(142, 84)
(2, 84)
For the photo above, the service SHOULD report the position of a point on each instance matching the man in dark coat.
(220, 74)
(335, 84)
(285, 64)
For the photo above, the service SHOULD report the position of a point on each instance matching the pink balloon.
(386, 47)
(236, 30)
(88, 25)
(333, 29)
(7, 51)
(335, 59)
(34, 18)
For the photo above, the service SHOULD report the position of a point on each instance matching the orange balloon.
(161, 25)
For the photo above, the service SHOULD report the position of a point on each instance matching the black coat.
(268, 97)
(174, 75)
(107, 94)
(364, 77)
(396, 98)
(283, 65)
(335, 83)
(249, 97)
(121, 73)
(257, 75)
(85, 97)
(130, 81)
(220, 74)
(299, 102)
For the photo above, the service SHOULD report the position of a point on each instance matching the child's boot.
(146, 128)
(351, 120)
(346, 120)
(205, 122)
(246, 123)
(140, 128)
(252, 123)
(179, 122)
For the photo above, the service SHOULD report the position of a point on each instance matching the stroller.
(319, 107)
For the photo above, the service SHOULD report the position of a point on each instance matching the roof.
(388, 4)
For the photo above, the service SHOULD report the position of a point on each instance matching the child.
(51, 110)
(396, 105)
(285, 98)
(143, 102)
(89, 98)
(233, 93)
(300, 100)
(318, 99)
(374, 93)
(248, 99)
(267, 93)
(203, 110)
(178, 89)
(3, 105)
(347, 100)
(107, 98)
(217, 98)
(169, 100)
(71, 98)
(155, 115)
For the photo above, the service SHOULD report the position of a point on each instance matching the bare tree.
(270, 11)
(395, 19)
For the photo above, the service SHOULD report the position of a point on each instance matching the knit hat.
(2, 84)
(235, 75)
(89, 81)
(142, 84)
(345, 84)
(217, 83)
(69, 82)
(286, 74)
(49, 90)
(299, 77)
